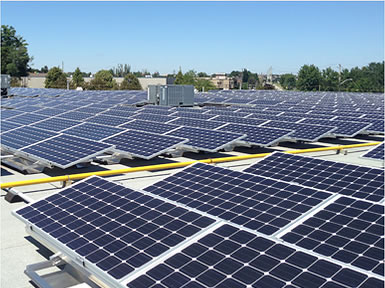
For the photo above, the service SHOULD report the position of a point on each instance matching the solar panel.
(153, 117)
(73, 115)
(336, 177)
(65, 151)
(119, 113)
(55, 124)
(29, 108)
(227, 113)
(192, 115)
(143, 144)
(260, 136)
(205, 139)
(290, 119)
(93, 131)
(108, 120)
(6, 126)
(90, 110)
(5, 114)
(258, 203)
(149, 126)
(348, 230)
(27, 118)
(164, 112)
(234, 258)
(199, 123)
(114, 230)
(50, 111)
(375, 153)
(24, 136)
(344, 128)
(239, 120)
(303, 132)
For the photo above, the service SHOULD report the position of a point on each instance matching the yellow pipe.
(170, 166)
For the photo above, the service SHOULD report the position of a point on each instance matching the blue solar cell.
(149, 126)
(93, 131)
(205, 139)
(143, 144)
(205, 264)
(335, 177)
(199, 123)
(241, 198)
(27, 118)
(258, 135)
(64, 150)
(7, 125)
(375, 153)
(55, 124)
(85, 232)
(345, 241)
(24, 136)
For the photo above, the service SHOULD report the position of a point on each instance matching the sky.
(212, 37)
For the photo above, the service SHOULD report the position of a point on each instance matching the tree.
(77, 78)
(204, 85)
(55, 79)
(44, 69)
(121, 70)
(103, 80)
(14, 53)
(189, 77)
(288, 81)
(329, 80)
(179, 77)
(309, 78)
(130, 82)
(155, 74)
(203, 74)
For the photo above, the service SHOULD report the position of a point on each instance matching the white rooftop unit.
(171, 95)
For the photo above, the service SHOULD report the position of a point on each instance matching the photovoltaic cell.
(153, 117)
(149, 126)
(65, 150)
(375, 153)
(73, 115)
(261, 136)
(233, 258)
(6, 126)
(205, 139)
(27, 118)
(93, 131)
(348, 230)
(336, 177)
(255, 202)
(24, 136)
(304, 132)
(108, 120)
(50, 111)
(143, 144)
(199, 123)
(55, 124)
(239, 120)
(344, 128)
(113, 227)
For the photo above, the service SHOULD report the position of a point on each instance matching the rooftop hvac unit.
(171, 95)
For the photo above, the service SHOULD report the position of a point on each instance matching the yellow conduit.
(170, 166)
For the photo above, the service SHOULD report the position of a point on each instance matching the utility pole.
(62, 66)
(339, 77)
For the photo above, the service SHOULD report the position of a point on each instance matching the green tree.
(309, 78)
(204, 85)
(130, 82)
(14, 53)
(179, 77)
(329, 80)
(288, 81)
(55, 79)
(189, 77)
(44, 69)
(203, 74)
(103, 80)
(77, 78)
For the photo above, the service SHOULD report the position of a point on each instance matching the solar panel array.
(308, 116)
(130, 238)
(335, 177)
